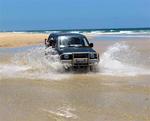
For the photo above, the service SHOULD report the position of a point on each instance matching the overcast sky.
(73, 14)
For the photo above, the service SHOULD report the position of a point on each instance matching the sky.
(73, 14)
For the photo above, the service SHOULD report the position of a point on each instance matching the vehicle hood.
(76, 49)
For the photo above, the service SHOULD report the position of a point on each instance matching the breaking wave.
(122, 60)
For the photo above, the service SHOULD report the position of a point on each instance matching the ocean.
(103, 34)
(143, 31)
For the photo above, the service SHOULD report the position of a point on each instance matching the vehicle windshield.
(67, 41)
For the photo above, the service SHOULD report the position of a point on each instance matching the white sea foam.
(127, 32)
(121, 60)
(77, 32)
(113, 33)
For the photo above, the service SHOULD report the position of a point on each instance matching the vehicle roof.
(66, 34)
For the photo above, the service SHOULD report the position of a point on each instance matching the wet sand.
(81, 98)
(100, 96)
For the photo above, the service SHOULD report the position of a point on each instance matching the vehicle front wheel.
(93, 68)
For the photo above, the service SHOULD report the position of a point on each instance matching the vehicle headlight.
(92, 55)
(66, 56)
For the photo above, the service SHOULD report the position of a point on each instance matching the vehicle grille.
(81, 64)
(81, 55)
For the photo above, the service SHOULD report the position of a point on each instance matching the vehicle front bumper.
(74, 62)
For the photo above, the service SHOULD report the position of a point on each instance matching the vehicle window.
(85, 42)
(72, 41)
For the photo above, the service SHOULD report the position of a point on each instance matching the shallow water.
(34, 87)
(118, 59)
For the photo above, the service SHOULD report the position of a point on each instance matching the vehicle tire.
(69, 69)
(93, 68)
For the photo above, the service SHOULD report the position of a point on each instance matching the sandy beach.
(11, 40)
(32, 88)
(21, 39)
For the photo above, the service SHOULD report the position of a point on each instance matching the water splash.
(118, 60)
(122, 60)
(39, 58)
(34, 64)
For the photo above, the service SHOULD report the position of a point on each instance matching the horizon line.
(79, 29)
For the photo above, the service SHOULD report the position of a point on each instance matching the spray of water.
(118, 60)
(122, 60)
(40, 59)
(35, 63)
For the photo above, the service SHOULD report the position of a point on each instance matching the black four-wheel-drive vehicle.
(74, 50)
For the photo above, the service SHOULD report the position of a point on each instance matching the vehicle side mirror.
(91, 44)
